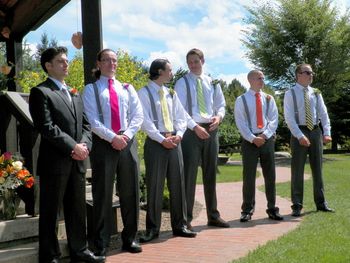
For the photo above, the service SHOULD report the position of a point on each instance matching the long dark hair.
(96, 71)
(156, 65)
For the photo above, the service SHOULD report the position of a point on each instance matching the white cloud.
(158, 28)
(175, 60)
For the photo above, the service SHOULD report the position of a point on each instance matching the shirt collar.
(252, 92)
(58, 83)
(151, 83)
(194, 76)
(301, 87)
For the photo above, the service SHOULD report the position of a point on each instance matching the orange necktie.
(259, 115)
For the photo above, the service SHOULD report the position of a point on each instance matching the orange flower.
(22, 174)
(10, 169)
(29, 182)
(74, 91)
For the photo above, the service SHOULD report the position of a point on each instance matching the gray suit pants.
(204, 152)
(250, 156)
(299, 154)
(164, 163)
(106, 163)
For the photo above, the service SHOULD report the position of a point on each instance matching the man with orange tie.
(305, 111)
(115, 115)
(256, 118)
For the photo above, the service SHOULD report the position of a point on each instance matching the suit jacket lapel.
(54, 87)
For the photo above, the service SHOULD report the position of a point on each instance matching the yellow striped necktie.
(200, 99)
(308, 115)
(165, 112)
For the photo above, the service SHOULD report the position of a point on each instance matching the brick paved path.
(219, 244)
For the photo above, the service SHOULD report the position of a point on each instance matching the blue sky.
(151, 29)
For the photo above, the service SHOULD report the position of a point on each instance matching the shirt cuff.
(129, 133)
(191, 124)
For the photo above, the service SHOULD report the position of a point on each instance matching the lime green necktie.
(200, 99)
(308, 116)
(165, 112)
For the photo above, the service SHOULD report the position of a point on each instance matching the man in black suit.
(65, 142)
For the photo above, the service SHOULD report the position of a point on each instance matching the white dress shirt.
(176, 112)
(130, 109)
(213, 96)
(320, 111)
(241, 119)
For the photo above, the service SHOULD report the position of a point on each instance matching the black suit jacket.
(61, 125)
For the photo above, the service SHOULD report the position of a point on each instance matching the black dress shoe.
(101, 252)
(133, 247)
(296, 212)
(184, 232)
(325, 208)
(218, 222)
(87, 256)
(189, 227)
(150, 235)
(245, 217)
(274, 214)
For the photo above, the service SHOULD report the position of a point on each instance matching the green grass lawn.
(321, 237)
(227, 173)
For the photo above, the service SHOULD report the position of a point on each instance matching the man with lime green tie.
(205, 105)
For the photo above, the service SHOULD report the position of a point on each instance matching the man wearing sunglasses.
(304, 112)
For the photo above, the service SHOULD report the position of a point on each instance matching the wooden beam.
(92, 35)
(28, 15)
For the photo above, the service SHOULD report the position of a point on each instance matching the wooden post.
(92, 35)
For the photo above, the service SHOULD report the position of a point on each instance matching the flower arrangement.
(13, 174)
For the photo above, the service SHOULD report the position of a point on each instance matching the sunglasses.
(308, 73)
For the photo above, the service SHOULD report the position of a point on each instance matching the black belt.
(257, 134)
(305, 127)
(204, 125)
(120, 132)
(168, 134)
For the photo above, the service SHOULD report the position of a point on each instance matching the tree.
(131, 70)
(45, 43)
(289, 32)
(228, 132)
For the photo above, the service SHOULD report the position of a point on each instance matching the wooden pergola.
(17, 19)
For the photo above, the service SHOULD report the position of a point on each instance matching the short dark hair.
(96, 71)
(195, 51)
(49, 54)
(156, 65)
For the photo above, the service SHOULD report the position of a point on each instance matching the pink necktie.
(259, 115)
(113, 99)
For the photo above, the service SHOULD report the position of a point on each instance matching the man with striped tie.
(256, 118)
(304, 112)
